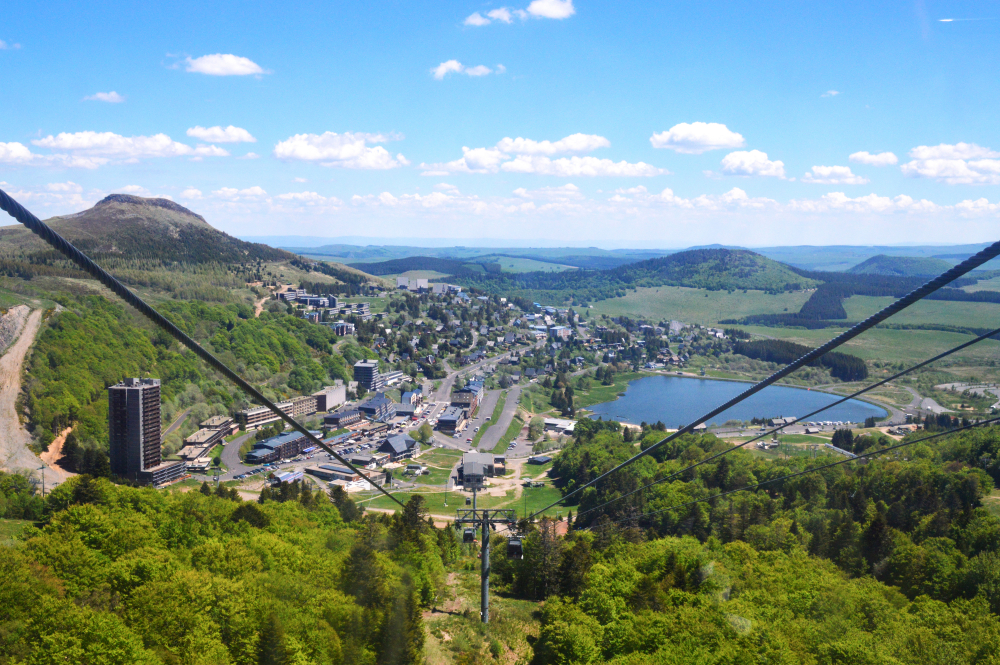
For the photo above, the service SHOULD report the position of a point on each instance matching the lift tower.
(485, 519)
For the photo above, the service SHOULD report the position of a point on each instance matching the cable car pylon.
(485, 519)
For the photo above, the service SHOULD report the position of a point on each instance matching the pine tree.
(205, 489)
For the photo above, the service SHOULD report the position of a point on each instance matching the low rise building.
(399, 446)
(469, 397)
(342, 419)
(201, 443)
(330, 397)
(277, 447)
(258, 416)
(378, 407)
(452, 419)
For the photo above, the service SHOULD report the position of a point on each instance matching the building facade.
(134, 433)
(367, 375)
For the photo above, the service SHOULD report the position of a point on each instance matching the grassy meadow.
(698, 305)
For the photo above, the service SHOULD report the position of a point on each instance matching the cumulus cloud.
(348, 150)
(957, 164)
(108, 145)
(309, 198)
(579, 166)
(233, 194)
(109, 97)
(223, 64)
(15, 153)
(572, 143)
(833, 175)
(476, 19)
(554, 9)
(695, 138)
(557, 9)
(872, 203)
(191, 193)
(220, 134)
(522, 155)
(880, 159)
(752, 162)
(455, 67)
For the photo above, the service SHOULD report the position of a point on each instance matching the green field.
(678, 303)
(533, 498)
(883, 344)
(985, 285)
(508, 264)
(440, 461)
(968, 314)
(418, 274)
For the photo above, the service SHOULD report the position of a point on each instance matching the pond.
(678, 401)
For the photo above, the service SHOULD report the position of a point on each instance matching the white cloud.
(15, 153)
(563, 192)
(872, 203)
(110, 97)
(309, 198)
(68, 186)
(300, 179)
(958, 164)
(220, 134)
(697, 137)
(503, 15)
(880, 159)
(223, 64)
(233, 194)
(833, 175)
(4, 46)
(455, 67)
(191, 193)
(752, 162)
(446, 68)
(572, 143)
(530, 156)
(579, 166)
(956, 151)
(250, 155)
(446, 187)
(109, 145)
(830, 93)
(557, 9)
(348, 150)
(476, 19)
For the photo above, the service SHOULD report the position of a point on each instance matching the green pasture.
(944, 312)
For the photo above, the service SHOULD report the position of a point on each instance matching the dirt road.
(14, 439)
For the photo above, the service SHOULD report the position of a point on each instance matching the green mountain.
(131, 227)
(714, 269)
(901, 266)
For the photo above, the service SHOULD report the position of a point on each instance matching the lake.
(678, 401)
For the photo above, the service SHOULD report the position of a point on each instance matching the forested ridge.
(94, 343)
(117, 576)
(842, 366)
(714, 269)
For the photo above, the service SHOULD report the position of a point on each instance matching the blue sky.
(568, 121)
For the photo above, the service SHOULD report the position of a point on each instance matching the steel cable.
(39, 228)
(941, 280)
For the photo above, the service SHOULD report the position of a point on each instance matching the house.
(399, 446)
(413, 397)
(475, 469)
(378, 407)
(559, 425)
(363, 460)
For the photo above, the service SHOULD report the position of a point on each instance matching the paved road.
(231, 456)
(177, 423)
(492, 436)
(924, 403)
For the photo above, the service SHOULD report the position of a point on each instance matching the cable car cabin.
(514, 550)
(468, 501)
(469, 536)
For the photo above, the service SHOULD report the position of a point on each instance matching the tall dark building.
(134, 429)
(367, 375)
